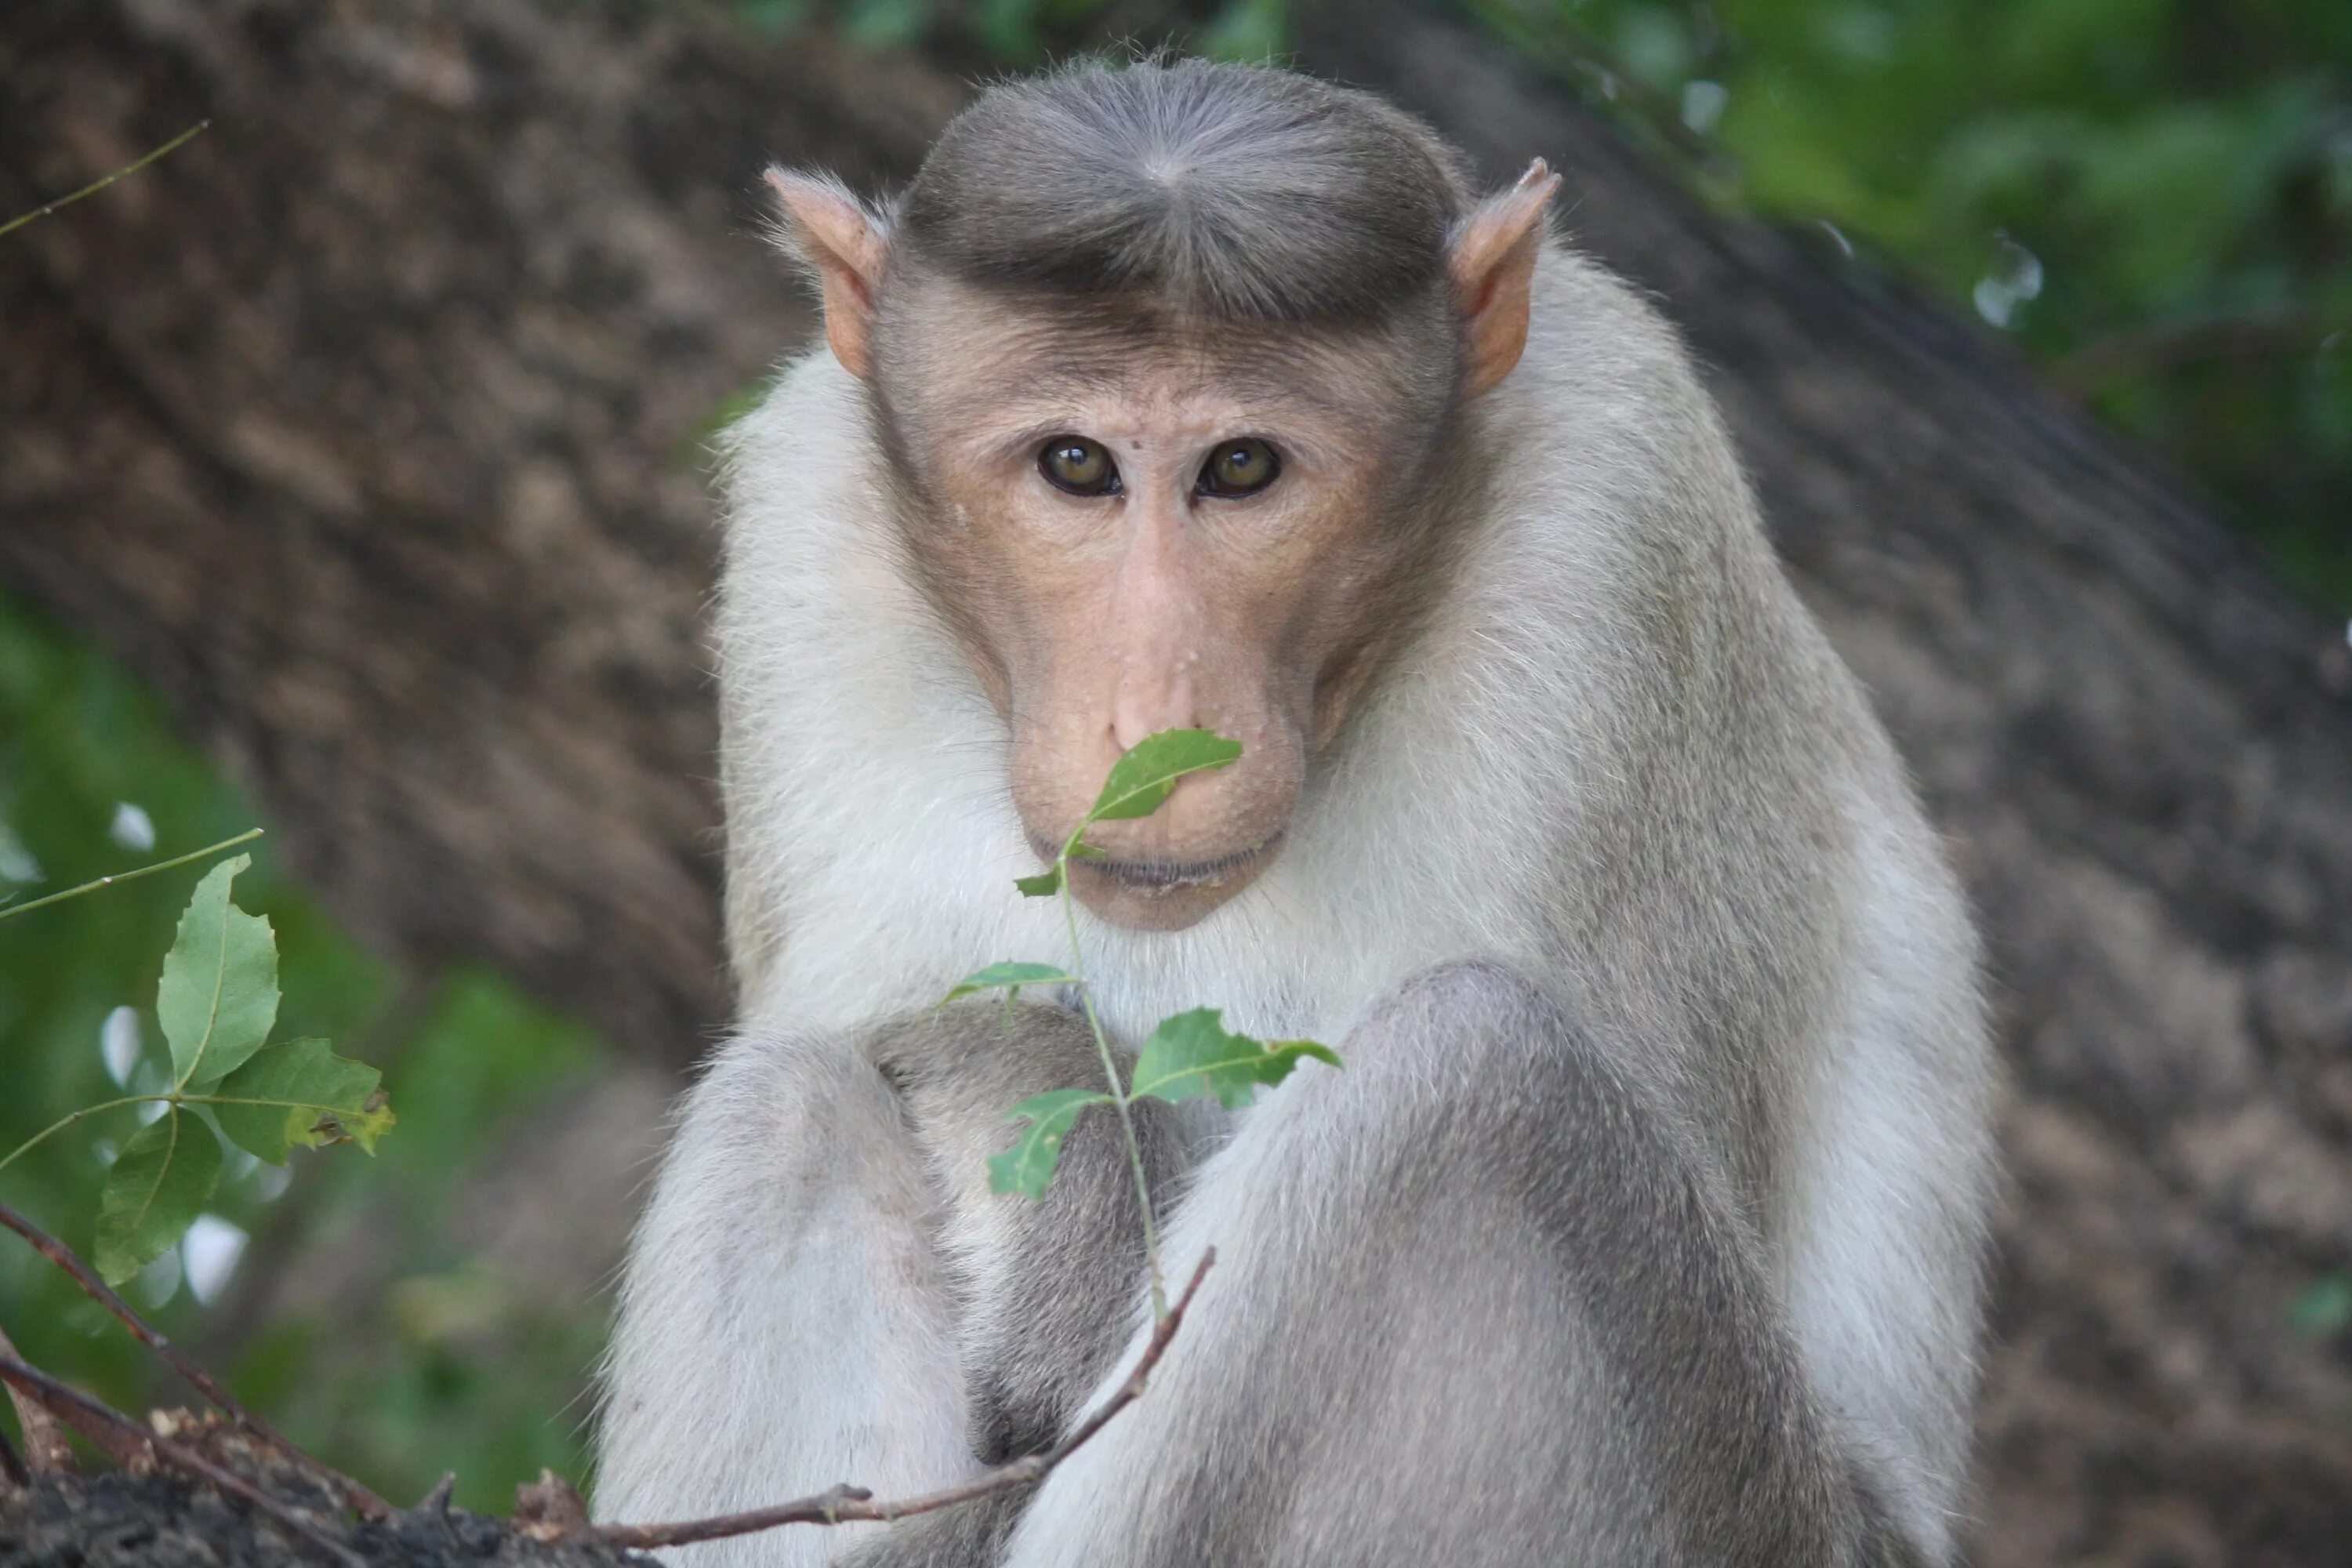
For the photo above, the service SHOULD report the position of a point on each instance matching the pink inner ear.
(1492, 265)
(1499, 227)
(834, 231)
(1489, 279)
(836, 236)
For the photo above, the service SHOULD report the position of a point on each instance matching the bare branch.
(45, 1448)
(1132, 1389)
(549, 1508)
(127, 1447)
(851, 1505)
(360, 1497)
(127, 1436)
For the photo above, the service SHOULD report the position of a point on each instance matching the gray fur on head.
(1222, 189)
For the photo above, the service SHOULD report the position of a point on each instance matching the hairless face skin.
(1141, 515)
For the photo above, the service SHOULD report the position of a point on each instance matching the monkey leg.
(1479, 1300)
(823, 1289)
(785, 1321)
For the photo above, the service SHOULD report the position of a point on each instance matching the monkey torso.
(1619, 758)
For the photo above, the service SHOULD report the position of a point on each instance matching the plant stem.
(248, 837)
(173, 145)
(174, 1098)
(1118, 1089)
(60, 1125)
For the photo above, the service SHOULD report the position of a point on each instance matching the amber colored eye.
(1240, 468)
(1079, 466)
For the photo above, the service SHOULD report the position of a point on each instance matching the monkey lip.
(1171, 875)
(1149, 876)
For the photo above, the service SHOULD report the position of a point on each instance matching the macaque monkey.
(1644, 1222)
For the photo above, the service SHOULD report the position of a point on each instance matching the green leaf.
(1192, 1053)
(218, 996)
(312, 1097)
(1011, 978)
(1027, 1167)
(1044, 885)
(1141, 779)
(159, 1183)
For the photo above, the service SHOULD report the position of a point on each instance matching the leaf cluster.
(1188, 1056)
(217, 1002)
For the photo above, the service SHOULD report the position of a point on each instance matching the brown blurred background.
(353, 481)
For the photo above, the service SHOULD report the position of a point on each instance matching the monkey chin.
(1162, 895)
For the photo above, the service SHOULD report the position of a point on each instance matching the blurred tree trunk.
(366, 427)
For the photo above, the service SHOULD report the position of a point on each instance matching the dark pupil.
(1241, 467)
(1076, 465)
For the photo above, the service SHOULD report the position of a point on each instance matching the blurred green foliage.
(2153, 197)
(444, 1365)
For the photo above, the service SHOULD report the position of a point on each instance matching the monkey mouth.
(1171, 875)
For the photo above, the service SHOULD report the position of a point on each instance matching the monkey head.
(1169, 432)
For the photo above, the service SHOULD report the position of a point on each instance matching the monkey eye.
(1241, 467)
(1081, 467)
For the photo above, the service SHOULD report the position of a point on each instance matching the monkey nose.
(1146, 704)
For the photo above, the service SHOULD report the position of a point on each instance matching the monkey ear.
(1494, 263)
(832, 231)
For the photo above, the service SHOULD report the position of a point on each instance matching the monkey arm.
(1047, 1291)
(1482, 1298)
(785, 1321)
(823, 1289)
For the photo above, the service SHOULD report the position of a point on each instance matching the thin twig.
(852, 1505)
(126, 1447)
(369, 1505)
(248, 837)
(64, 1398)
(45, 1448)
(1132, 1389)
(168, 148)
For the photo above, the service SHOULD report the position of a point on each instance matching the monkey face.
(1137, 524)
(1213, 502)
